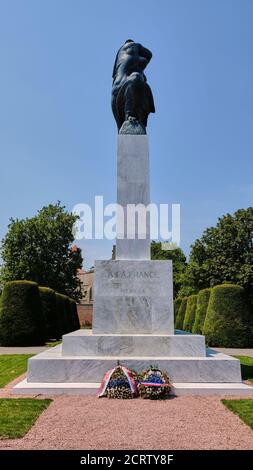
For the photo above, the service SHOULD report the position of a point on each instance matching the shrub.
(202, 304)
(75, 324)
(190, 312)
(22, 321)
(181, 314)
(228, 320)
(177, 304)
(48, 302)
(63, 312)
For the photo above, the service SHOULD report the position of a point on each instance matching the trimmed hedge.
(48, 302)
(202, 304)
(181, 314)
(75, 324)
(177, 304)
(63, 312)
(22, 322)
(228, 320)
(190, 312)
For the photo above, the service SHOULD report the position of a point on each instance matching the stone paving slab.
(20, 350)
(235, 352)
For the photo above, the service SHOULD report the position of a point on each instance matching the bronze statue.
(132, 98)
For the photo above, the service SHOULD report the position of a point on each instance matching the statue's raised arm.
(132, 98)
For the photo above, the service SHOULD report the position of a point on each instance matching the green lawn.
(52, 344)
(243, 408)
(17, 415)
(247, 367)
(11, 366)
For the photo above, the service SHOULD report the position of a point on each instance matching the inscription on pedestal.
(133, 297)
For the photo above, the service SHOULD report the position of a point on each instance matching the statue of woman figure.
(132, 98)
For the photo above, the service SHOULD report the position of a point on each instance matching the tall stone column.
(132, 190)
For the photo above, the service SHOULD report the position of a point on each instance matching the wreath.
(119, 382)
(154, 384)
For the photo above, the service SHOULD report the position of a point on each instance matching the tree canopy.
(40, 249)
(178, 259)
(223, 254)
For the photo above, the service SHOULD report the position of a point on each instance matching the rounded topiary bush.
(22, 322)
(190, 312)
(228, 321)
(181, 314)
(202, 304)
(48, 302)
(75, 324)
(177, 304)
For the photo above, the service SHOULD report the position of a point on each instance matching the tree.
(223, 254)
(178, 259)
(39, 249)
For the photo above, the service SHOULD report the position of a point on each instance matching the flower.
(154, 384)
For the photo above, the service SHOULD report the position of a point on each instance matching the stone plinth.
(133, 297)
(85, 343)
(52, 366)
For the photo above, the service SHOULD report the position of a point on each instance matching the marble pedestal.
(133, 297)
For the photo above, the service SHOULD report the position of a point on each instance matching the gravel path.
(86, 422)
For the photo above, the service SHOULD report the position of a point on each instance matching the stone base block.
(51, 366)
(85, 343)
(178, 389)
(204, 389)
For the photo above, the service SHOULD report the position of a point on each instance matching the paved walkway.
(26, 350)
(38, 349)
(235, 352)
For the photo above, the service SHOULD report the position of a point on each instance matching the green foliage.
(11, 366)
(202, 304)
(177, 304)
(178, 259)
(75, 324)
(22, 322)
(223, 254)
(39, 249)
(63, 312)
(190, 312)
(228, 321)
(48, 302)
(242, 408)
(17, 415)
(246, 367)
(181, 314)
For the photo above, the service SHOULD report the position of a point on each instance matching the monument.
(133, 321)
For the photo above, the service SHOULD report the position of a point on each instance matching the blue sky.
(57, 133)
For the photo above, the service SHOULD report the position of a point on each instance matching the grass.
(52, 344)
(11, 366)
(17, 415)
(246, 367)
(243, 408)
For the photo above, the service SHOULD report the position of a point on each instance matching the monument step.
(178, 389)
(51, 366)
(85, 343)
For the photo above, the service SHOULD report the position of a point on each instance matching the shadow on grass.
(246, 367)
